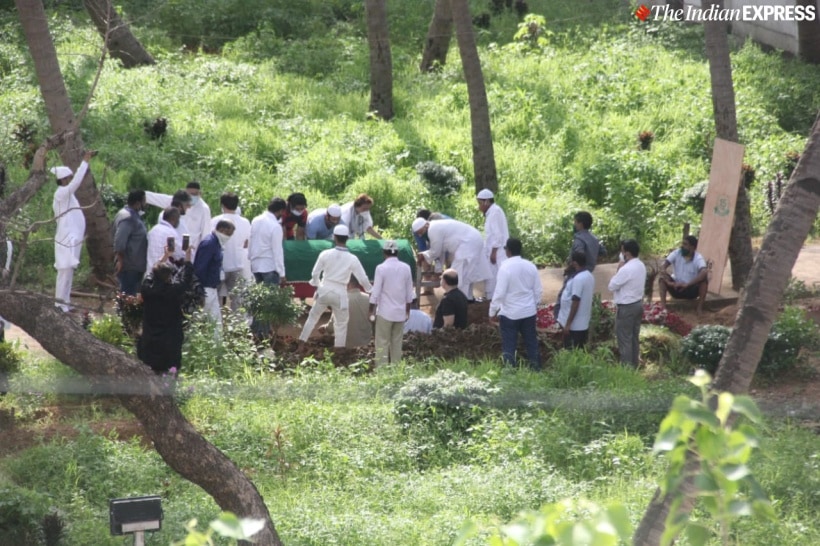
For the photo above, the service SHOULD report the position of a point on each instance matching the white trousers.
(211, 307)
(324, 299)
(62, 292)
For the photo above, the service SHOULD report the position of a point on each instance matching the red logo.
(642, 12)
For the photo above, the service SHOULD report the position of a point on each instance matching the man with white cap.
(464, 245)
(320, 222)
(496, 234)
(331, 274)
(390, 303)
(68, 240)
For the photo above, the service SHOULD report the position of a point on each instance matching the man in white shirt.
(331, 275)
(390, 303)
(265, 249)
(465, 246)
(691, 275)
(158, 237)
(496, 234)
(234, 251)
(356, 216)
(418, 321)
(576, 303)
(68, 239)
(517, 295)
(628, 287)
(197, 221)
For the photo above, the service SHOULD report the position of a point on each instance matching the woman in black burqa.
(163, 294)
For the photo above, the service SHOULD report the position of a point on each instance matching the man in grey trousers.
(628, 287)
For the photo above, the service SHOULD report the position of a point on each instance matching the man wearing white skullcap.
(320, 222)
(496, 234)
(68, 240)
(331, 274)
(464, 245)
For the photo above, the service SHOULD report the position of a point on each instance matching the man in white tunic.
(496, 234)
(197, 218)
(158, 237)
(68, 240)
(235, 264)
(331, 274)
(465, 246)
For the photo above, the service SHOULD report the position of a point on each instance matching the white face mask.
(194, 200)
(141, 213)
(295, 212)
(223, 238)
(621, 257)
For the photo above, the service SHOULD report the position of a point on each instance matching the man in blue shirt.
(208, 266)
(320, 222)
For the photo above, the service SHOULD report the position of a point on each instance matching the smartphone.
(186, 240)
(170, 243)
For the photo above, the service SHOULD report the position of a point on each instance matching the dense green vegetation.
(269, 97)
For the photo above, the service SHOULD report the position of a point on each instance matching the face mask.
(195, 200)
(223, 238)
(621, 257)
(295, 212)
(684, 251)
(141, 213)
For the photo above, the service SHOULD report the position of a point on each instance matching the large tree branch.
(175, 438)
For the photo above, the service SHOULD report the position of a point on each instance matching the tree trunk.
(110, 371)
(723, 105)
(438, 37)
(121, 43)
(61, 117)
(808, 34)
(768, 278)
(483, 155)
(381, 63)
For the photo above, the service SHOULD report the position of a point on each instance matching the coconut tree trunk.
(808, 34)
(111, 371)
(61, 117)
(788, 229)
(483, 155)
(381, 63)
(723, 106)
(438, 37)
(121, 43)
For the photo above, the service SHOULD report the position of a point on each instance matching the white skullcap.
(485, 194)
(335, 211)
(341, 230)
(61, 172)
(418, 223)
(391, 245)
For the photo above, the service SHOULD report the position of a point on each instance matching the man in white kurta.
(158, 237)
(68, 240)
(465, 245)
(197, 219)
(331, 274)
(235, 264)
(496, 234)
(390, 304)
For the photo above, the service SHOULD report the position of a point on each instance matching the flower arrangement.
(655, 314)
(129, 308)
(545, 320)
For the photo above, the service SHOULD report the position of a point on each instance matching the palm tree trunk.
(121, 42)
(808, 34)
(482, 138)
(61, 117)
(438, 37)
(381, 63)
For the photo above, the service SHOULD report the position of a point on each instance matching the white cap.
(485, 194)
(418, 223)
(391, 245)
(341, 230)
(61, 172)
(335, 210)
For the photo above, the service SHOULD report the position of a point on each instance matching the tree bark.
(808, 34)
(381, 62)
(110, 371)
(723, 105)
(61, 117)
(788, 229)
(482, 138)
(439, 32)
(120, 41)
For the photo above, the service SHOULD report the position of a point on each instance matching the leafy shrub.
(602, 321)
(446, 404)
(108, 328)
(10, 358)
(441, 180)
(704, 346)
(220, 356)
(274, 305)
(660, 345)
(609, 455)
(21, 515)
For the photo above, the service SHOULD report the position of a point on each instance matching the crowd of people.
(187, 248)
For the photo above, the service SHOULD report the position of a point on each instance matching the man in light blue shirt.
(320, 222)
(576, 303)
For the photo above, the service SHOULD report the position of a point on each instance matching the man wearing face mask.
(131, 243)
(295, 216)
(197, 213)
(158, 237)
(208, 265)
(690, 279)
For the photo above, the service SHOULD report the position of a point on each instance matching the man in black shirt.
(452, 309)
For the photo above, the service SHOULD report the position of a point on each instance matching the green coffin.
(300, 256)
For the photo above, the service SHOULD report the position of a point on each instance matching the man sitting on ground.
(690, 279)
